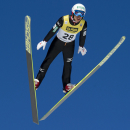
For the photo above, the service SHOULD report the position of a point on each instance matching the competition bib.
(65, 36)
(68, 32)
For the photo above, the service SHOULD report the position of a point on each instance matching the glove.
(41, 44)
(82, 50)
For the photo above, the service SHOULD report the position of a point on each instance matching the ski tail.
(85, 78)
(30, 69)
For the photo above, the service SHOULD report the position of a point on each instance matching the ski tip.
(124, 37)
(27, 16)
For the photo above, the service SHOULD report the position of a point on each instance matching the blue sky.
(101, 103)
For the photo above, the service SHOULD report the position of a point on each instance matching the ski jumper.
(64, 42)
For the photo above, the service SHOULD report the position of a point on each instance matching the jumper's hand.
(41, 44)
(82, 50)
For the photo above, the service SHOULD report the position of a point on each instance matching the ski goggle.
(79, 13)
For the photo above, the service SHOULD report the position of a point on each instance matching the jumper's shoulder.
(60, 21)
(85, 24)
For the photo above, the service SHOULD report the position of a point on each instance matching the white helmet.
(79, 7)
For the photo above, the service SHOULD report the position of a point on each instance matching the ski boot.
(68, 87)
(36, 81)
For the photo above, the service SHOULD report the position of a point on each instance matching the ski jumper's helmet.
(78, 10)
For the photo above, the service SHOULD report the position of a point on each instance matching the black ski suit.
(58, 46)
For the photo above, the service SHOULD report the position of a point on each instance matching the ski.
(85, 78)
(30, 69)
